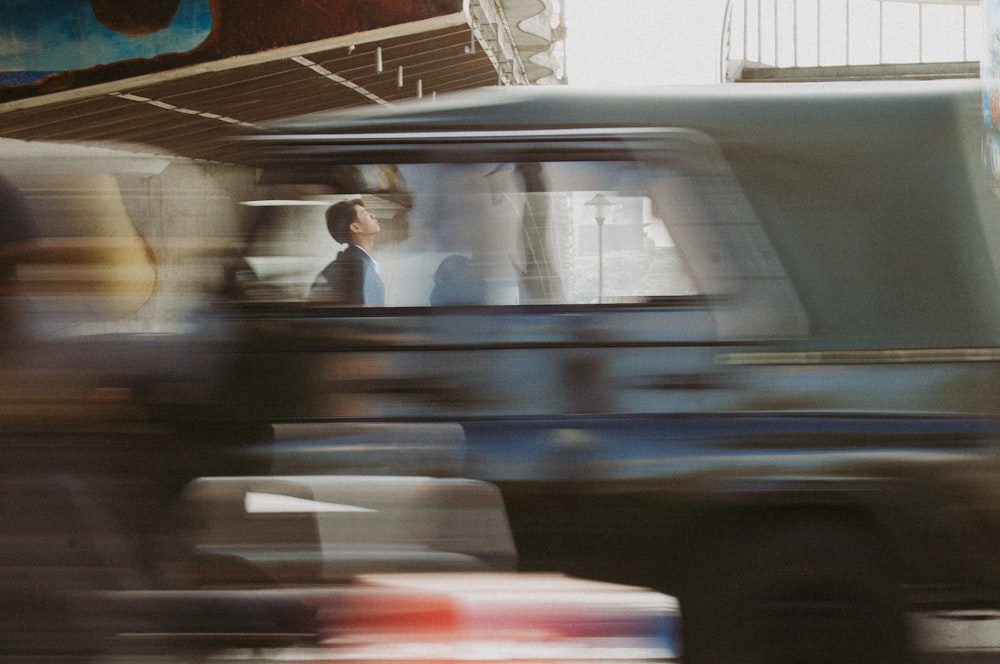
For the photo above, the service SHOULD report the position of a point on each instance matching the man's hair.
(339, 218)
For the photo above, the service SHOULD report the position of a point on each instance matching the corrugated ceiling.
(197, 110)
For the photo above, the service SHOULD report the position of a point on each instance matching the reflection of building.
(184, 80)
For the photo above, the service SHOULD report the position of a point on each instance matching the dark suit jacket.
(350, 279)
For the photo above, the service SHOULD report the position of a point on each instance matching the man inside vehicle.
(353, 277)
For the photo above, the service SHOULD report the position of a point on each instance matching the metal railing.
(490, 28)
(841, 33)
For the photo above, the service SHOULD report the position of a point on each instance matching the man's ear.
(354, 227)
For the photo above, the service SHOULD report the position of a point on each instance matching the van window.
(485, 233)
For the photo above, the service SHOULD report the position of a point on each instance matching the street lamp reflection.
(601, 207)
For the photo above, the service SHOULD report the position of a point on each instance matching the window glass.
(486, 233)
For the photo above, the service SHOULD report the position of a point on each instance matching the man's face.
(365, 223)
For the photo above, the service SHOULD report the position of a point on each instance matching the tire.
(809, 592)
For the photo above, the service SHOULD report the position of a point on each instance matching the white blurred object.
(325, 528)
(490, 617)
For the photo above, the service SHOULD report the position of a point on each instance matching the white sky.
(642, 42)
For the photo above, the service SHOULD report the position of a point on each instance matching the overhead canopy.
(195, 110)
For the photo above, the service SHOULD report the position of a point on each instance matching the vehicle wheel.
(803, 593)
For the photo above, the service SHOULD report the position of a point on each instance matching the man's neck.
(366, 242)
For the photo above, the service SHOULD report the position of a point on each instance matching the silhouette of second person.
(352, 278)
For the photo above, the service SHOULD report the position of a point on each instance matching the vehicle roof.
(726, 112)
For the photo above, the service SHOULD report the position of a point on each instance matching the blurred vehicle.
(489, 617)
(737, 345)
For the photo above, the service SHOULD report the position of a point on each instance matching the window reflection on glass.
(484, 234)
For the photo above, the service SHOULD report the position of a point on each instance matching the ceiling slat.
(199, 114)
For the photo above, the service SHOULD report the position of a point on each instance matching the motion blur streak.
(735, 346)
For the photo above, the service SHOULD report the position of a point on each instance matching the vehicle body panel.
(839, 353)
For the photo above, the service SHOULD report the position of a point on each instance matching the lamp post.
(601, 209)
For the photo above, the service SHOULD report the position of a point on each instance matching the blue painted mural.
(41, 37)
